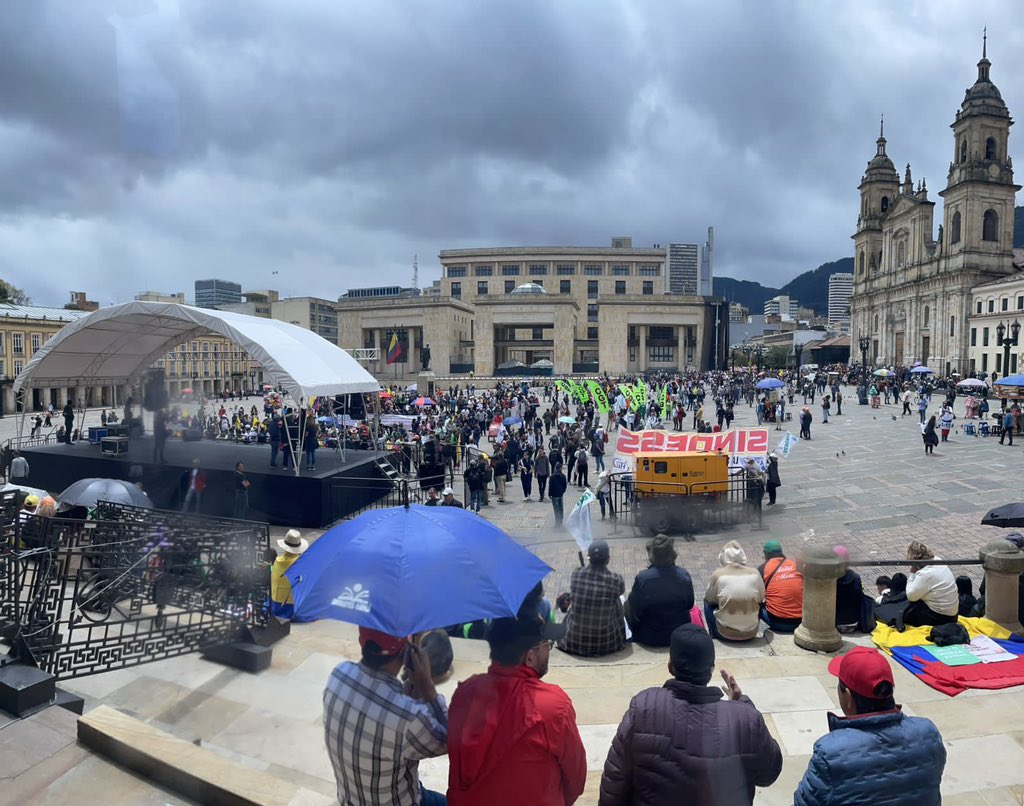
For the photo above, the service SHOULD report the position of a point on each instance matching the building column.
(641, 347)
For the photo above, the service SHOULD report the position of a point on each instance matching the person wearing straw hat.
(292, 546)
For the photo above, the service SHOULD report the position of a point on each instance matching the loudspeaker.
(353, 406)
(154, 392)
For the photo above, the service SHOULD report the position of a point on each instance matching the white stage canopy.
(119, 344)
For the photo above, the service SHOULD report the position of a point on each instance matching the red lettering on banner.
(739, 441)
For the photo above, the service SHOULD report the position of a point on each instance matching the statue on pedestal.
(425, 358)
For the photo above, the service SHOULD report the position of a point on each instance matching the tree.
(776, 358)
(11, 295)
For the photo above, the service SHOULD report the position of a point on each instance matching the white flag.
(578, 522)
(786, 445)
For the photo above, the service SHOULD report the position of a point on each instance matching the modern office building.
(782, 306)
(214, 293)
(683, 268)
(312, 313)
(840, 289)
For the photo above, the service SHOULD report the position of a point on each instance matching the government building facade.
(566, 309)
(912, 293)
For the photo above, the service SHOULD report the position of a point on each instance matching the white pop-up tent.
(117, 345)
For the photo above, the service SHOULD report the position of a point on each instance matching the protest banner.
(740, 443)
(600, 398)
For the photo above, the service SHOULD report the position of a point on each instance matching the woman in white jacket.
(931, 590)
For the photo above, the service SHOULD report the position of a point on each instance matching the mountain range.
(810, 289)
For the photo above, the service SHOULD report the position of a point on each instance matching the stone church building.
(912, 288)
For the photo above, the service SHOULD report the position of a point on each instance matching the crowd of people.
(512, 738)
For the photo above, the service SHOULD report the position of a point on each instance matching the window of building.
(1005, 304)
(537, 334)
(963, 150)
(17, 343)
(661, 354)
(661, 333)
(36, 342)
(927, 311)
(974, 337)
(954, 235)
(591, 289)
(538, 282)
(620, 286)
(510, 286)
(990, 226)
(991, 306)
(984, 362)
(885, 204)
(591, 332)
(510, 269)
(593, 269)
(485, 270)
(999, 363)
(481, 288)
(860, 263)
(952, 326)
(565, 286)
(649, 270)
(456, 271)
(977, 306)
(990, 148)
(457, 290)
(538, 269)
(620, 269)
(3, 366)
(591, 312)
(876, 323)
(1013, 364)
(901, 253)
(18, 367)
(984, 337)
(565, 268)
(648, 287)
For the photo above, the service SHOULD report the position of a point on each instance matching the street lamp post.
(862, 390)
(798, 351)
(1006, 342)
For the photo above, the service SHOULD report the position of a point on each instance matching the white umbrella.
(972, 382)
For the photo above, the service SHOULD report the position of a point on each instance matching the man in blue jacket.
(874, 754)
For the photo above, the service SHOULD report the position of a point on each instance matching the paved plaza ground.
(862, 481)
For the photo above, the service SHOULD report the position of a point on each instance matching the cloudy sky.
(317, 145)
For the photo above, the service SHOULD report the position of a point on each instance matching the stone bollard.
(1003, 563)
(817, 632)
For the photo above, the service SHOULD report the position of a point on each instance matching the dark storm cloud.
(145, 143)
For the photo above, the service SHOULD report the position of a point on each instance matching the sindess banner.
(739, 443)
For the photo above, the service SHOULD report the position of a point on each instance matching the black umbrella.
(87, 492)
(1008, 515)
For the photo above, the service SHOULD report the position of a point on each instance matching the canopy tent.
(118, 344)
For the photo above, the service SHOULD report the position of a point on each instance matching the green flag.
(641, 393)
(664, 400)
(600, 398)
(629, 394)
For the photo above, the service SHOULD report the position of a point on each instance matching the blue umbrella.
(1011, 380)
(407, 569)
(921, 370)
(513, 420)
(327, 420)
(769, 383)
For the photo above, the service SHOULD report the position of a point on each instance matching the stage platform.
(338, 487)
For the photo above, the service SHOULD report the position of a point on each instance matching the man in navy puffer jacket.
(874, 754)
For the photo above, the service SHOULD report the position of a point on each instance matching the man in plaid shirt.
(595, 623)
(376, 733)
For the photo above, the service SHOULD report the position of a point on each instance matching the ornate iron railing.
(134, 586)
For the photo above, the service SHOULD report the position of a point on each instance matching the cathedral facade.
(912, 286)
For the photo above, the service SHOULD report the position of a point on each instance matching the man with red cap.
(376, 732)
(874, 754)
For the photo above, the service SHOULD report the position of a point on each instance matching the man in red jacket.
(512, 739)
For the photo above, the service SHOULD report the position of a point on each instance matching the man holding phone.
(376, 732)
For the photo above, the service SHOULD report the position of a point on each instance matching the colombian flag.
(394, 349)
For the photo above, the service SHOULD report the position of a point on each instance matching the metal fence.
(682, 509)
(134, 586)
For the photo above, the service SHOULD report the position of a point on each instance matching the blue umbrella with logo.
(769, 383)
(406, 569)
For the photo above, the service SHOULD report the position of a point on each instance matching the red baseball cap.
(861, 670)
(390, 646)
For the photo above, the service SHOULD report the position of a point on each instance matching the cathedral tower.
(878, 190)
(979, 195)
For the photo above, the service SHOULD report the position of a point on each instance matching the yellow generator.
(700, 472)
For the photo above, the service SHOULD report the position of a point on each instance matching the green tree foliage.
(12, 295)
